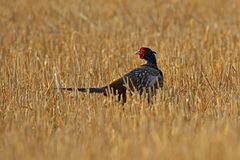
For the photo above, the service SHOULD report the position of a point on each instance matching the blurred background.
(92, 42)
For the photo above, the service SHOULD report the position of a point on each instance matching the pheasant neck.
(152, 64)
(151, 61)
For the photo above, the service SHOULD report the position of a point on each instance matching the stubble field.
(89, 43)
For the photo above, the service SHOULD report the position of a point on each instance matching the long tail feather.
(87, 90)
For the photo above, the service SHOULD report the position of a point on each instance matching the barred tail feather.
(87, 90)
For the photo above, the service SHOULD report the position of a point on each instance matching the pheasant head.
(148, 55)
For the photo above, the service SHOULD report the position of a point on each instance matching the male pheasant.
(146, 78)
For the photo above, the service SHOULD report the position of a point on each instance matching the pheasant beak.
(141, 55)
(137, 53)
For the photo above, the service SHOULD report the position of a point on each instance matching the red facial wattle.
(141, 55)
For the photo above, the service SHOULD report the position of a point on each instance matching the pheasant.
(146, 78)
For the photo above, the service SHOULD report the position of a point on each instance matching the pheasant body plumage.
(146, 78)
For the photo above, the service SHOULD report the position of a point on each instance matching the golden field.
(91, 42)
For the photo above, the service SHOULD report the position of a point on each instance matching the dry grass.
(89, 43)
